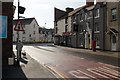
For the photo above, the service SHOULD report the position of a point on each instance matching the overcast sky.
(43, 10)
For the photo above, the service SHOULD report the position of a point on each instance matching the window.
(33, 32)
(114, 14)
(97, 13)
(29, 35)
(74, 20)
(56, 30)
(89, 14)
(66, 28)
(23, 32)
(66, 20)
(81, 29)
(97, 27)
(34, 25)
(81, 17)
(97, 42)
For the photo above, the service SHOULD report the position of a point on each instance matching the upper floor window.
(114, 14)
(66, 20)
(97, 13)
(56, 30)
(97, 27)
(89, 14)
(66, 28)
(81, 17)
(34, 25)
(74, 20)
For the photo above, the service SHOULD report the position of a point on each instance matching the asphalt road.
(71, 64)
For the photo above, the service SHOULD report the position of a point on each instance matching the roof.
(24, 21)
(75, 11)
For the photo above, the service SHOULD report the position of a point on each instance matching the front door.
(113, 43)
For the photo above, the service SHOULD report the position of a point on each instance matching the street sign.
(18, 26)
(3, 26)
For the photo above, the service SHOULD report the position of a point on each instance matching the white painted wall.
(61, 26)
(29, 30)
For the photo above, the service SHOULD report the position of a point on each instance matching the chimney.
(89, 3)
(69, 9)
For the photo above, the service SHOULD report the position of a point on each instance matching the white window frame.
(114, 13)
(97, 13)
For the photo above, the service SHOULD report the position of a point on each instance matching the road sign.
(18, 26)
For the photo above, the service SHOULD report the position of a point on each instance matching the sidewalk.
(28, 69)
(97, 52)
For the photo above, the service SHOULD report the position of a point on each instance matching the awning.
(112, 31)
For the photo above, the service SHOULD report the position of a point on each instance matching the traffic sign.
(18, 26)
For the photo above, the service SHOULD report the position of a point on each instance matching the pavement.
(29, 69)
(97, 52)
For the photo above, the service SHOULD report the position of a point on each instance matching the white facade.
(61, 26)
(31, 33)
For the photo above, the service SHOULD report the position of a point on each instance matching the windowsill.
(96, 16)
(89, 18)
(113, 20)
(81, 20)
(97, 32)
(81, 33)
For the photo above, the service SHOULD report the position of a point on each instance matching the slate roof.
(24, 21)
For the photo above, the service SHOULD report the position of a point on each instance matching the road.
(71, 64)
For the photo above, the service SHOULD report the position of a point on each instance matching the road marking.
(56, 72)
(92, 71)
(73, 73)
(103, 72)
(109, 71)
(109, 65)
(86, 74)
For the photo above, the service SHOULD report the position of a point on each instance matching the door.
(113, 43)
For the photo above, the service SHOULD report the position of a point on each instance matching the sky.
(43, 10)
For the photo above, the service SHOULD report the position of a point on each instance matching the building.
(59, 23)
(31, 30)
(112, 36)
(92, 22)
(46, 35)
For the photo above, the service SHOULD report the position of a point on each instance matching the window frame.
(114, 14)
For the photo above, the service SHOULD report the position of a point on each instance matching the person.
(19, 47)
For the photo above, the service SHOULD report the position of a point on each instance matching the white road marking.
(104, 72)
(97, 73)
(109, 65)
(108, 71)
(86, 74)
(77, 76)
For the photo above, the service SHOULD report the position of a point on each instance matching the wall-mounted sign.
(3, 26)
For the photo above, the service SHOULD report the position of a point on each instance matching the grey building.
(89, 24)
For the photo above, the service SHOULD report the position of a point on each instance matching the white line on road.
(86, 74)
(74, 73)
(97, 73)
